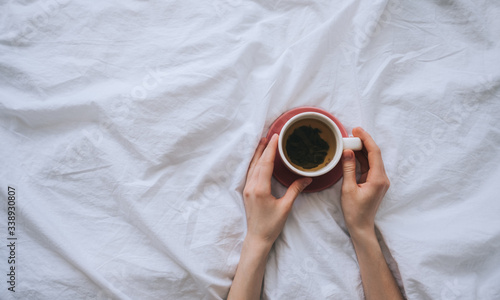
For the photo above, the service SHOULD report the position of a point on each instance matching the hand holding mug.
(360, 200)
(266, 215)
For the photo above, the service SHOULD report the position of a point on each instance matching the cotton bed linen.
(127, 128)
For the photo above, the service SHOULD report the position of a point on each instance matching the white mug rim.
(331, 125)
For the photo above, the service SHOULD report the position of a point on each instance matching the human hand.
(360, 201)
(266, 215)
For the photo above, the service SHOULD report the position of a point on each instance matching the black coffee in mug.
(309, 145)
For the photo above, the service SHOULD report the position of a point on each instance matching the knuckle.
(247, 193)
(348, 189)
(382, 182)
(379, 182)
(350, 167)
(266, 163)
(259, 191)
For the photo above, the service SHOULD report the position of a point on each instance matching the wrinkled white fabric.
(127, 128)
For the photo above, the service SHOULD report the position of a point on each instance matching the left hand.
(266, 215)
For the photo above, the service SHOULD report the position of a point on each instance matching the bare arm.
(360, 202)
(247, 282)
(266, 218)
(378, 282)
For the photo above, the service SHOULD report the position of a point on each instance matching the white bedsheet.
(127, 128)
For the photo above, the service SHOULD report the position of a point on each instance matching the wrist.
(257, 245)
(360, 234)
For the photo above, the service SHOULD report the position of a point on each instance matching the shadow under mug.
(328, 131)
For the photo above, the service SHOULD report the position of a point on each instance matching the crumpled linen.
(127, 129)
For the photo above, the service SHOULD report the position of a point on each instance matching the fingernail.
(348, 155)
(306, 182)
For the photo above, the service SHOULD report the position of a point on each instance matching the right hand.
(360, 200)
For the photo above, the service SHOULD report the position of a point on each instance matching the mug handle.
(352, 143)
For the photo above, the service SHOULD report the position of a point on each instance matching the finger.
(361, 156)
(374, 157)
(363, 177)
(265, 164)
(256, 156)
(295, 189)
(349, 167)
(363, 161)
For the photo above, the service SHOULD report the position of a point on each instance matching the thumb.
(349, 166)
(295, 189)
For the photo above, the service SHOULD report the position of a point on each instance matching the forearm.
(247, 282)
(378, 281)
